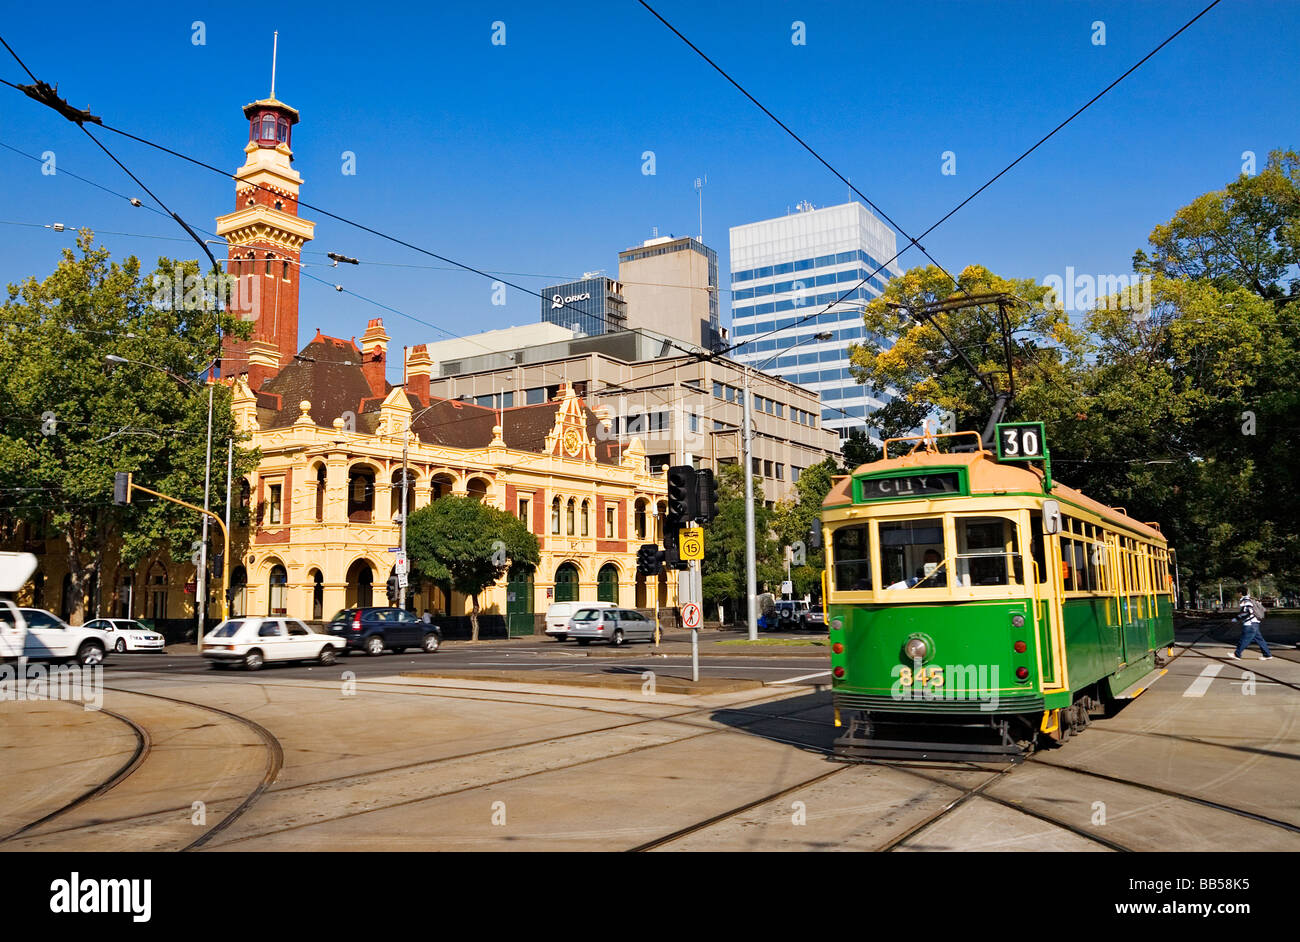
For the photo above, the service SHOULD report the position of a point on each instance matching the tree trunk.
(473, 617)
(76, 577)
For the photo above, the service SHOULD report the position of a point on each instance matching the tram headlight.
(1018, 620)
(916, 649)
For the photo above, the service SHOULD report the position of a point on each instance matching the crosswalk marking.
(1202, 683)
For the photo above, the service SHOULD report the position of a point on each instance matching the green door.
(607, 584)
(519, 604)
(566, 583)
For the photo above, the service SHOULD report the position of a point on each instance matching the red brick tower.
(265, 238)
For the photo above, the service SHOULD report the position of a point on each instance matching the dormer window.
(267, 129)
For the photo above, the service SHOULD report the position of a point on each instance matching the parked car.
(559, 614)
(615, 625)
(374, 629)
(125, 635)
(50, 638)
(789, 614)
(814, 619)
(253, 642)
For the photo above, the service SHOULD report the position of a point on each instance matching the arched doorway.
(158, 592)
(277, 586)
(519, 602)
(441, 486)
(477, 489)
(360, 591)
(238, 592)
(395, 500)
(566, 583)
(361, 494)
(607, 584)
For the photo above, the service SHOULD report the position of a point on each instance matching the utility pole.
(751, 576)
(401, 575)
(227, 564)
(201, 574)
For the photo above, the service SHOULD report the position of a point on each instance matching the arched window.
(320, 493)
(282, 130)
(586, 517)
(285, 273)
(607, 584)
(270, 260)
(573, 504)
(268, 127)
(555, 516)
(276, 599)
(639, 520)
(318, 596)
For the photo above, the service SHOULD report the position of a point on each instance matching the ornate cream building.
(326, 499)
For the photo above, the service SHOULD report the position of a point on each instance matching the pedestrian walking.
(427, 617)
(1251, 615)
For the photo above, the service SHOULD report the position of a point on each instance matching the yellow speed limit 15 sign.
(690, 543)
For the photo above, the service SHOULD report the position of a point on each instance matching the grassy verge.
(778, 642)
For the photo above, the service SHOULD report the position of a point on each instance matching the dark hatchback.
(374, 629)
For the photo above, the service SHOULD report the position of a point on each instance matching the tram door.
(1117, 584)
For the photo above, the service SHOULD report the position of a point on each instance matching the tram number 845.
(926, 676)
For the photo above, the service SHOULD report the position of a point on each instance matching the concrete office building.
(674, 403)
(671, 287)
(786, 268)
(592, 305)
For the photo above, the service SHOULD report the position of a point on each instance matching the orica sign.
(558, 301)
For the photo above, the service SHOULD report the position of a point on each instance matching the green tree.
(69, 421)
(469, 545)
(792, 519)
(724, 544)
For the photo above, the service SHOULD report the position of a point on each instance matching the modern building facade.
(671, 287)
(592, 305)
(675, 405)
(783, 270)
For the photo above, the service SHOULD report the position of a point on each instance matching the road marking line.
(1202, 683)
(795, 680)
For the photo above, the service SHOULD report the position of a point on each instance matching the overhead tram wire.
(960, 205)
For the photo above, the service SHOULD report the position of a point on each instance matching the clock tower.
(265, 237)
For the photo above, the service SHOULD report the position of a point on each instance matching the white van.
(558, 615)
(15, 570)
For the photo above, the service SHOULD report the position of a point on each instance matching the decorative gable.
(568, 438)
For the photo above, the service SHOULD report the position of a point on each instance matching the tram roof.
(988, 477)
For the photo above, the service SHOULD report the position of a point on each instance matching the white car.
(50, 638)
(559, 615)
(15, 570)
(126, 634)
(253, 642)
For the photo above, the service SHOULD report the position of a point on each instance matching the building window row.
(807, 302)
(761, 404)
(845, 276)
(822, 319)
(504, 400)
(576, 517)
(637, 423)
(803, 264)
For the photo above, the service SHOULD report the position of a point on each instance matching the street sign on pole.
(690, 543)
(691, 616)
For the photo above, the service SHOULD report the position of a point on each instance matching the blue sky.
(526, 158)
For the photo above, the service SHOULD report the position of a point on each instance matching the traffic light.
(671, 552)
(682, 494)
(392, 587)
(121, 488)
(706, 495)
(218, 563)
(649, 560)
(815, 534)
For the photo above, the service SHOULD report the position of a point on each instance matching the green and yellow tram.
(976, 608)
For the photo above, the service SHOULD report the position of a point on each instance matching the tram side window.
(851, 549)
(912, 554)
(1079, 575)
(988, 552)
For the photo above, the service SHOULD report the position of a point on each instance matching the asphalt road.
(524, 655)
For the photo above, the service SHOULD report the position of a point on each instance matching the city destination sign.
(911, 485)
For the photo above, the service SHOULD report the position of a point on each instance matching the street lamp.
(751, 577)
(201, 571)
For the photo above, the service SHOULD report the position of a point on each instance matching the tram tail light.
(838, 672)
(1019, 647)
(1022, 673)
(837, 648)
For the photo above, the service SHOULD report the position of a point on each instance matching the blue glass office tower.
(592, 306)
(786, 268)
